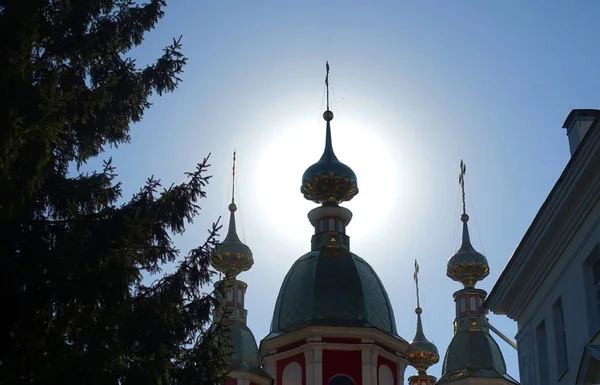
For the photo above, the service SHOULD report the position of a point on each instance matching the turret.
(421, 353)
(232, 257)
(472, 353)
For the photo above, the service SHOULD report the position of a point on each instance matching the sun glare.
(288, 152)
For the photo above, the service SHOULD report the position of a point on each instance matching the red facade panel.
(339, 362)
(393, 367)
(281, 364)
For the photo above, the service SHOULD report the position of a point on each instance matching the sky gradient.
(416, 87)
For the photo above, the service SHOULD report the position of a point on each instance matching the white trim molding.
(394, 344)
(369, 364)
(244, 377)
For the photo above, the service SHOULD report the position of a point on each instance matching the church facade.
(333, 323)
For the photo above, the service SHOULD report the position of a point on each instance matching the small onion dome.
(329, 180)
(232, 256)
(468, 265)
(421, 353)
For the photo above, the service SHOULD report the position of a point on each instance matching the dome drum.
(329, 211)
(331, 240)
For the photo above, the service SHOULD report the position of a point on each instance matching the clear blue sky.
(417, 85)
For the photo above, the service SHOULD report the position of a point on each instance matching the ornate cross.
(416, 278)
(461, 181)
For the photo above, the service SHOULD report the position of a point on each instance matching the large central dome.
(334, 291)
(331, 286)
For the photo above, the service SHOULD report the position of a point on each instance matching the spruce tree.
(73, 251)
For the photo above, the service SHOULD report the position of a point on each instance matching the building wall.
(568, 281)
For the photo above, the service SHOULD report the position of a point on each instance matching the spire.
(329, 181)
(467, 265)
(421, 353)
(232, 231)
(472, 353)
(232, 256)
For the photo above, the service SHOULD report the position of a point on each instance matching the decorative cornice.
(557, 248)
(545, 226)
(559, 276)
(334, 346)
(391, 343)
(250, 376)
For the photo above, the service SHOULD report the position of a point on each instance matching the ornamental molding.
(388, 342)
(253, 377)
(309, 347)
(554, 224)
(482, 381)
(551, 256)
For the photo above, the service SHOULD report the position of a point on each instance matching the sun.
(287, 152)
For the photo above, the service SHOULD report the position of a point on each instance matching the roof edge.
(498, 295)
(579, 112)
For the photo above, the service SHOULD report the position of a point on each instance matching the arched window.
(292, 374)
(341, 380)
(386, 377)
(240, 298)
(473, 305)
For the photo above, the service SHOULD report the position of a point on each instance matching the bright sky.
(416, 86)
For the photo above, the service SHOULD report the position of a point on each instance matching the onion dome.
(468, 265)
(232, 256)
(329, 180)
(421, 353)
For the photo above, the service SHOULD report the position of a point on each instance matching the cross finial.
(233, 180)
(416, 278)
(461, 181)
(327, 82)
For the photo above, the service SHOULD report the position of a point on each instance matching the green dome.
(467, 265)
(473, 354)
(245, 354)
(329, 180)
(232, 256)
(334, 291)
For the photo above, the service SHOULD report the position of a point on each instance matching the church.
(333, 323)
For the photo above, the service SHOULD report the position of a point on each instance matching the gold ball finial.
(464, 218)
(328, 116)
(418, 310)
(232, 207)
